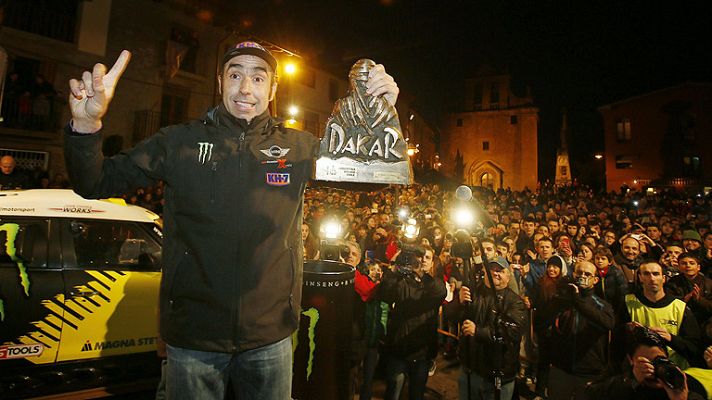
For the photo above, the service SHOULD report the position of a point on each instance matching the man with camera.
(411, 340)
(493, 317)
(581, 322)
(649, 375)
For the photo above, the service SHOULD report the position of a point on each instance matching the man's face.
(247, 86)
(427, 261)
(305, 231)
(708, 242)
(688, 266)
(583, 221)
(630, 249)
(653, 232)
(545, 249)
(673, 252)
(691, 245)
(7, 165)
(609, 238)
(667, 228)
(529, 227)
(489, 249)
(371, 222)
(543, 229)
(500, 277)
(514, 229)
(503, 250)
(379, 235)
(585, 274)
(652, 278)
(553, 227)
(354, 257)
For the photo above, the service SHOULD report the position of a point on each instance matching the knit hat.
(691, 234)
(556, 260)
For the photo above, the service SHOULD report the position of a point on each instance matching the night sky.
(577, 55)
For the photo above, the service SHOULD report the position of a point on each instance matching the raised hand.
(90, 97)
(380, 83)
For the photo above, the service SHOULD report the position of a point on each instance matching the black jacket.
(580, 335)
(232, 247)
(480, 353)
(613, 287)
(412, 331)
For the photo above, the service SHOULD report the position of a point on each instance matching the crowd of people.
(29, 103)
(574, 274)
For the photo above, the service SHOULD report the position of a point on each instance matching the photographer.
(649, 374)
(581, 323)
(491, 333)
(411, 339)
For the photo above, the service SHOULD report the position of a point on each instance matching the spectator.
(10, 177)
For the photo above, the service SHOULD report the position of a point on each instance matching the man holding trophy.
(235, 180)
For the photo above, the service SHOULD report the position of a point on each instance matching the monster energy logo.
(205, 152)
(11, 231)
(313, 315)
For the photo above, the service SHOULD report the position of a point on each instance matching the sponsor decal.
(205, 152)
(313, 315)
(329, 284)
(119, 343)
(277, 179)
(17, 209)
(11, 231)
(21, 351)
(275, 151)
(70, 208)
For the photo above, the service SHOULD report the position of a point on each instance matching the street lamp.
(293, 110)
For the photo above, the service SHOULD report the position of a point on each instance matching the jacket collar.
(262, 124)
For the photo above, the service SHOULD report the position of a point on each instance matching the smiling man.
(235, 179)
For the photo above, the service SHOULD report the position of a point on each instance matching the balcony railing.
(40, 114)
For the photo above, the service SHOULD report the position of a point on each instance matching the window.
(307, 78)
(623, 130)
(692, 165)
(311, 122)
(478, 96)
(459, 122)
(174, 105)
(101, 244)
(624, 162)
(494, 96)
(333, 90)
(55, 19)
(487, 180)
(485, 146)
(183, 49)
(513, 119)
(27, 237)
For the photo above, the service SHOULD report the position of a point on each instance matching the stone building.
(661, 138)
(492, 142)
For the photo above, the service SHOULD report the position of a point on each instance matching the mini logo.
(21, 351)
(205, 152)
(275, 152)
(277, 179)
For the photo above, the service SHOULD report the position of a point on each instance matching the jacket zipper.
(213, 181)
(291, 287)
(240, 147)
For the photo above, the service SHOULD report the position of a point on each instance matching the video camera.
(410, 257)
(333, 250)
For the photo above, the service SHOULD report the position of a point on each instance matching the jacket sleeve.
(687, 341)
(596, 311)
(388, 290)
(364, 286)
(515, 315)
(94, 176)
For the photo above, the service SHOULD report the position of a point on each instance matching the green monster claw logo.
(313, 315)
(11, 230)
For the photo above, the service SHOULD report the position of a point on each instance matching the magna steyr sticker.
(21, 351)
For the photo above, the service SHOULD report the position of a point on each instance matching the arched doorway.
(486, 174)
(487, 180)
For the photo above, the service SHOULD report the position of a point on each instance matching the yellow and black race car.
(79, 283)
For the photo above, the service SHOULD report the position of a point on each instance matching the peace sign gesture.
(90, 96)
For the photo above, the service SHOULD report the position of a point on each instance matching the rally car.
(79, 284)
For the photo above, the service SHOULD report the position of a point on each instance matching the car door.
(112, 276)
(31, 293)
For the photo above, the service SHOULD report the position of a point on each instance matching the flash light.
(464, 217)
(330, 229)
(411, 229)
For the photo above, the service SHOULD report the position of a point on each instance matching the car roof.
(64, 203)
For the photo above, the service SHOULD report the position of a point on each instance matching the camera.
(333, 250)
(668, 373)
(409, 258)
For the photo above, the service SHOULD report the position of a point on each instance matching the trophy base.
(348, 170)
